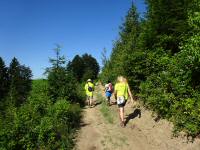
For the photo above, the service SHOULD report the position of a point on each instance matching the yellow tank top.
(122, 89)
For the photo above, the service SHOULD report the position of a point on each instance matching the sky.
(30, 29)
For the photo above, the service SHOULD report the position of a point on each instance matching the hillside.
(142, 132)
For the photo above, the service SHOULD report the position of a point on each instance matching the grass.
(105, 110)
(106, 113)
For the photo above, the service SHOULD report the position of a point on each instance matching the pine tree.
(20, 82)
(124, 48)
(61, 82)
(56, 75)
(3, 80)
(167, 22)
(59, 60)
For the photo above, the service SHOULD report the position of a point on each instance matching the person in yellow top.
(89, 88)
(121, 92)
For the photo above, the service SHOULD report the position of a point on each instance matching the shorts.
(108, 94)
(123, 104)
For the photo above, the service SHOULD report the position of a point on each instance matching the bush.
(40, 124)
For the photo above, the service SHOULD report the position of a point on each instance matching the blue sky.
(29, 29)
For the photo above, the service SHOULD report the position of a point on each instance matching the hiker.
(121, 92)
(89, 88)
(108, 92)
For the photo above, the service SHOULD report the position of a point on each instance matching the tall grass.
(104, 109)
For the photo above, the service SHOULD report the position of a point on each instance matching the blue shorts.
(108, 94)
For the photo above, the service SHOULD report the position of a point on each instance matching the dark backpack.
(90, 89)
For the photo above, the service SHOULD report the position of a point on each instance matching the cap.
(89, 80)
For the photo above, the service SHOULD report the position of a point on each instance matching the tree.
(160, 55)
(167, 22)
(4, 86)
(104, 57)
(91, 65)
(20, 82)
(56, 75)
(61, 82)
(84, 67)
(124, 49)
(77, 66)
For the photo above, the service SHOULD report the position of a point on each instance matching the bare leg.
(121, 114)
(91, 100)
(88, 100)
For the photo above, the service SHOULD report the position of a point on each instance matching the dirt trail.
(140, 133)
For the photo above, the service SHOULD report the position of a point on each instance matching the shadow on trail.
(97, 103)
(82, 124)
(136, 113)
(157, 119)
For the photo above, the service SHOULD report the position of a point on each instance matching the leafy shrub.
(40, 124)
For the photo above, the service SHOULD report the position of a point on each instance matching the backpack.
(90, 89)
(110, 88)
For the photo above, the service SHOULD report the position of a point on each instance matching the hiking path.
(143, 131)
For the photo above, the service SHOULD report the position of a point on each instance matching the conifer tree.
(3, 80)
(124, 48)
(167, 22)
(56, 75)
(61, 83)
(20, 82)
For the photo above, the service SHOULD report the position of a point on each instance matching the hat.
(89, 80)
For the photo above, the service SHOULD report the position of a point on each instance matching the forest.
(160, 55)
(43, 113)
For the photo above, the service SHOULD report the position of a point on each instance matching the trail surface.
(142, 132)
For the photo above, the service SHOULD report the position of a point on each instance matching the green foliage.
(77, 66)
(84, 67)
(160, 56)
(59, 60)
(123, 48)
(91, 65)
(62, 84)
(4, 86)
(174, 92)
(48, 118)
(105, 110)
(61, 81)
(165, 29)
(15, 83)
(39, 123)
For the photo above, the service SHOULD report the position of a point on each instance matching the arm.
(105, 88)
(115, 94)
(115, 91)
(130, 94)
